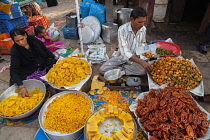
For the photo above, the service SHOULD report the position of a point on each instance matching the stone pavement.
(184, 35)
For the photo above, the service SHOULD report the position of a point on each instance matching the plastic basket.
(25, 2)
(15, 12)
(70, 33)
(5, 45)
(29, 30)
(38, 20)
(7, 25)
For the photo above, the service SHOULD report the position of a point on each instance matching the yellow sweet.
(97, 137)
(67, 72)
(97, 85)
(126, 133)
(16, 105)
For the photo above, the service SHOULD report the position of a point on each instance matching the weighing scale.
(129, 83)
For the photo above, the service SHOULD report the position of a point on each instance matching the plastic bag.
(54, 32)
(85, 7)
(98, 11)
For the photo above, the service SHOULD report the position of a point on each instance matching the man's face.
(138, 22)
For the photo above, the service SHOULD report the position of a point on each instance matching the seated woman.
(48, 40)
(28, 54)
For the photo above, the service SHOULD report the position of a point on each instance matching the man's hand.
(56, 58)
(146, 66)
(81, 25)
(23, 91)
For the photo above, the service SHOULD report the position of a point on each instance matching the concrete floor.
(184, 35)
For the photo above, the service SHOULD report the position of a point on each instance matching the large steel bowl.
(112, 75)
(30, 85)
(54, 135)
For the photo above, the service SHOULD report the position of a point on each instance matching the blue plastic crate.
(8, 25)
(70, 33)
(155, 41)
(15, 12)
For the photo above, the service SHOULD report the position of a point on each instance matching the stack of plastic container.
(15, 19)
(70, 30)
(39, 20)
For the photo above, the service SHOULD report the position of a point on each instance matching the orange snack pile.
(172, 114)
(114, 98)
(179, 71)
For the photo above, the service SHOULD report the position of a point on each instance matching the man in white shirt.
(130, 36)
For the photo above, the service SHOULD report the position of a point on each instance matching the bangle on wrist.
(22, 87)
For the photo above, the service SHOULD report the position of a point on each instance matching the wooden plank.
(177, 10)
(205, 21)
(149, 6)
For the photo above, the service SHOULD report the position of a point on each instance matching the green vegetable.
(162, 51)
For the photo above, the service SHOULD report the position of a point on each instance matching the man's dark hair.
(138, 12)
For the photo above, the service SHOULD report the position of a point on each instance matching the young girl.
(48, 41)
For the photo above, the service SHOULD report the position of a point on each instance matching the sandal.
(206, 98)
(202, 48)
(199, 98)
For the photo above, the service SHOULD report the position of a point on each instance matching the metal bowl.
(54, 135)
(112, 75)
(135, 125)
(30, 85)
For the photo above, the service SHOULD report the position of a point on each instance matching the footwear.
(206, 98)
(198, 98)
(202, 48)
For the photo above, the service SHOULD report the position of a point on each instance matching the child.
(47, 40)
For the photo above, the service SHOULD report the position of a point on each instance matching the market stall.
(120, 107)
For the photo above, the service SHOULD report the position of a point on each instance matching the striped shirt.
(128, 41)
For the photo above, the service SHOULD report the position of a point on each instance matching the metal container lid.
(109, 25)
(124, 10)
(87, 35)
(94, 24)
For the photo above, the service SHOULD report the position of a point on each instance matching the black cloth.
(51, 3)
(24, 61)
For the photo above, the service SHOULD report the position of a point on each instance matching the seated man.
(205, 41)
(130, 36)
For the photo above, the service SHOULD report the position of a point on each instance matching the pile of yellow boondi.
(67, 113)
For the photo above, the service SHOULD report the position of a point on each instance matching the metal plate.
(55, 134)
(94, 24)
(30, 85)
(87, 35)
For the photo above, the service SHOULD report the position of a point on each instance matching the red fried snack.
(172, 114)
